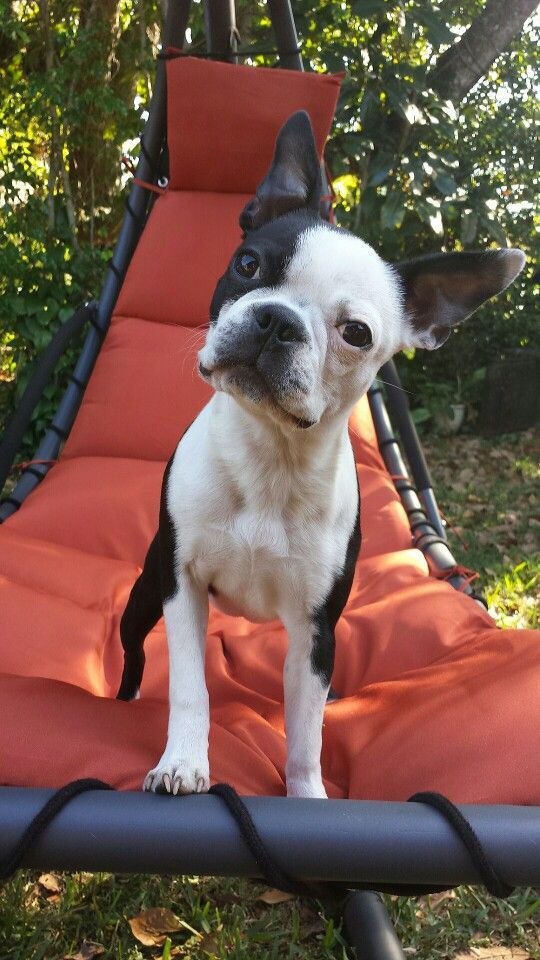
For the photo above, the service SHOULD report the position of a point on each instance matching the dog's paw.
(177, 776)
(306, 787)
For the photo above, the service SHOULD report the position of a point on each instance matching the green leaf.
(438, 31)
(495, 230)
(368, 8)
(445, 184)
(392, 211)
(380, 168)
(469, 226)
(420, 414)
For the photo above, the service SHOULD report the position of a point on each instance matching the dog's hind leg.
(143, 610)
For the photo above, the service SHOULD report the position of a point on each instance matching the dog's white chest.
(246, 562)
(261, 539)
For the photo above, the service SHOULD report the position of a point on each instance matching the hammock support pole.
(372, 842)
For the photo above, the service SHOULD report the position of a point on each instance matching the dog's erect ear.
(294, 180)
(443, 289)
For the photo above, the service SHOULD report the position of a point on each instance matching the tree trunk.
(460, 67)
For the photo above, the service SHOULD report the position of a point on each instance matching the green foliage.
(72, 79)
(412, 173)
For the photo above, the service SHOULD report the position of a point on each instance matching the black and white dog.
(260, 509)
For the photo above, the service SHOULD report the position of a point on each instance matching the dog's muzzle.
(258, 357)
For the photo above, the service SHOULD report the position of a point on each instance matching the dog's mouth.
(251, 384)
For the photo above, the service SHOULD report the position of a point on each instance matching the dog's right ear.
(294, 180)
(441, 290)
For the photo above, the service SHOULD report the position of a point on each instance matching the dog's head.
(307, 313)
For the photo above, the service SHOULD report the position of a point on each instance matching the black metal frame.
(137, 208)
(379, 843)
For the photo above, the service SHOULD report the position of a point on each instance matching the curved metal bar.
(137, 207)
(424, 534)
(220, 29)
(282, 19)
(347, 840)
(369, 928)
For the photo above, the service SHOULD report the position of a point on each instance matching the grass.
(225, 919)
(488, 490)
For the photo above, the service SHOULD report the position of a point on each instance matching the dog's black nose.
(275, 321)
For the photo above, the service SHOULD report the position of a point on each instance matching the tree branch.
(460, 67)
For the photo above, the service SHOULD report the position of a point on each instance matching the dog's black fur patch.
(328, 614)
(167, 541)
(156, 584)
(274, 244)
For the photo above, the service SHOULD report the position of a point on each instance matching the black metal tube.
(41, 375)
(220, 29)
(282, 19)
(134, 219)
(400, 414)
(368, 928)
(398, 404)
(425, 536)
(348, 840)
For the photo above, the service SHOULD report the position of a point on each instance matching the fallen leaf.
(434, 900)
(208, 945)
(494, 953)
(87, 952)
(50, 884)
(151, 926)
(272, 896)
(318, 926)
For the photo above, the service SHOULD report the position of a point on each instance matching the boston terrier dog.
(260, 508)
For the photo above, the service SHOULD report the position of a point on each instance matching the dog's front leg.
(308, 670)
(183, 767)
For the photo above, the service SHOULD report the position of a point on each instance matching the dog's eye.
(356, 333)
(247, 265)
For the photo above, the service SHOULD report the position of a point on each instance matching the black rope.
(58, 431)
(38, 474)
(402, 486)
(419, 523)
(387, 442)
(203, 55)
(43, 818)
(428, 539)
(490, 878)
(11, 500)
(112, 266)
(273, 874)
(99, 329)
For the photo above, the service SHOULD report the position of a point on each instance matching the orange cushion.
(184, 249)
(143, 394)
(226, 142)
(433, 695)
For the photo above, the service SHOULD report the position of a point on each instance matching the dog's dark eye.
(247, 265)
(356, 333)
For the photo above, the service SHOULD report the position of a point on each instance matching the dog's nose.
(275, 321)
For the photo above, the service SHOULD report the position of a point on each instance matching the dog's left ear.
(294, 180)
(443, 289)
